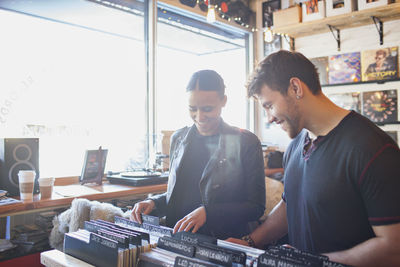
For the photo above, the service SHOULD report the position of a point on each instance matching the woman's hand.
(144, 207)
(193, 220)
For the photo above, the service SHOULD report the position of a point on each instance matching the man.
(342, 173)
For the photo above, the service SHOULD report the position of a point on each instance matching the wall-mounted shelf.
(354, 83)
(344, 21)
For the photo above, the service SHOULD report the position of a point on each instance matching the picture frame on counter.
(313, 10)
(338, 7)
(365, 4)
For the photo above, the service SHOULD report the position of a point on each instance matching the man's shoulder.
(359, 133)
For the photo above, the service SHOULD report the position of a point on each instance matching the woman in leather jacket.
(216, 182)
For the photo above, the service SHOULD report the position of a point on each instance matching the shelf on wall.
(355, 83)
(344, 21)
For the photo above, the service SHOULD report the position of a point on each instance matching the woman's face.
(205, 110)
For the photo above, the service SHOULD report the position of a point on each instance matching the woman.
(216, 182)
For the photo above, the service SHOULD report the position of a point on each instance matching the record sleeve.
(380, 106)
(379, 64)
(322, 65)
(349, 101)
(344, 68)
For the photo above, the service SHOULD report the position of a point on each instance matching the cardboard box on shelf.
(291, 15)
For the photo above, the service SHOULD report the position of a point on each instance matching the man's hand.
(237, 241)
(193, 220)
(144, 207)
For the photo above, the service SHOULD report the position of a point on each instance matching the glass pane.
(75, 79)
(186, 46)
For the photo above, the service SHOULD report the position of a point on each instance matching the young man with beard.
(342, 173)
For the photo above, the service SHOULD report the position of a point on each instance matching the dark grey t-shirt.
(349, 182)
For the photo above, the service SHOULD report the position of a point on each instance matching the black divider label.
(150, 219)
(182, 262)
(214, 256)
(194, 238)
(270, 260)
(103, 241)
(176, 246)
(126, 222)
(157, 229)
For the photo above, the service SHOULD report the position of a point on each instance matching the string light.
(211, 14)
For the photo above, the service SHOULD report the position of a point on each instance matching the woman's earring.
(297, 97)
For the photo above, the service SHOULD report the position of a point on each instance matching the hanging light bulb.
(268, 35)
(211, 14)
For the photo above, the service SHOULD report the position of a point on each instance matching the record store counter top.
(64, 194)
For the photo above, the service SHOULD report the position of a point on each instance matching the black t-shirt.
(188, 178)
(349, 182)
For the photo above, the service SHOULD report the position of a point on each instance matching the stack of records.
(30, 238)
(127, 243)
(103, 243)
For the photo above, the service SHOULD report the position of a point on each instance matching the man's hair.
(206, 80)
(381, 52)
(277, 69)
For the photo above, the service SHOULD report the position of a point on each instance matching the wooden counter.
(63, 196)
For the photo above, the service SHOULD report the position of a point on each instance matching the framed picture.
(273, 46)
(93, 166)
(365, 4)
(267, 10)
(337, 7)
(380, 106)
(345, 68)
(349, 101)
(322, 65)
(379, 64)
(312, 10)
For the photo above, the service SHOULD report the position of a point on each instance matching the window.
(75, 79)
(186, 45)
(75, 76)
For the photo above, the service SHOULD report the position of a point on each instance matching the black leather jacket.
(232, 186)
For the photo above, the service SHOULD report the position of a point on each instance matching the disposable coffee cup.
(46, 187)
(26, 180)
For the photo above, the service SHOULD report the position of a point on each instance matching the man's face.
(205, 110)
(281, 109)
(379, 59)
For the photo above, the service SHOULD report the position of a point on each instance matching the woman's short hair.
(206, 80)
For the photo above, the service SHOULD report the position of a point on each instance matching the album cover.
(268, 9)
(379, 64)
(349, 101)
(321, 63)
(311, 6)
(380, 106)
(344, 68)
(273, 46)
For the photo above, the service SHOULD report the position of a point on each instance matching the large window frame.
(150, 10)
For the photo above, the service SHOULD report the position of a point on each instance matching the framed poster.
(267, 10)
(273, 46)
(379, 64)
(345, 68)
(321, 63)
(349, 101)
(380, 106)
(93, 166)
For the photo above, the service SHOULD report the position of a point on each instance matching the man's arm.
(273, 228)
(382, 250)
